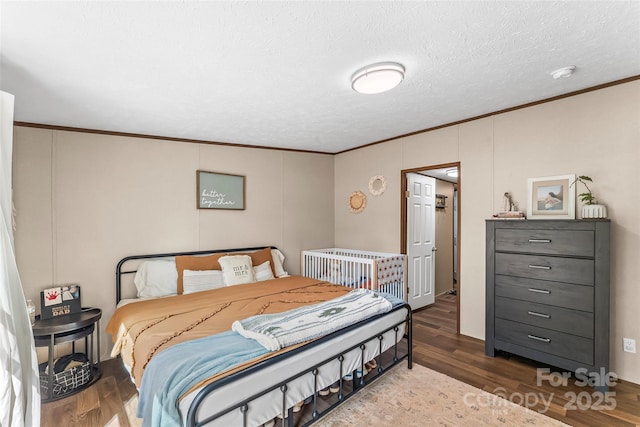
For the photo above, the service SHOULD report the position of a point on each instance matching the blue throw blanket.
(174, 371)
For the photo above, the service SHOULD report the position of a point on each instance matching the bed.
(381, 271)
(171, 344)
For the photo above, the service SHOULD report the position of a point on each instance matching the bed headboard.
(121, 271)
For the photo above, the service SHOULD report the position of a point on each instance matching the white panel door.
(421, 232)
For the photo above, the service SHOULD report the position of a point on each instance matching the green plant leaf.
(586, 198)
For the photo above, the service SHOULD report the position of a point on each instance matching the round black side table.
(69, 328)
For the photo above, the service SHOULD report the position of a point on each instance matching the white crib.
(385, 272)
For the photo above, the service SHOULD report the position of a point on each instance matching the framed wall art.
(219, 191)
(551, 197)
(441, 201)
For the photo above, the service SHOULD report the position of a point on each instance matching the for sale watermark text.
(540, 401)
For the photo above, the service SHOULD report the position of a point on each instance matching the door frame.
(403, 220)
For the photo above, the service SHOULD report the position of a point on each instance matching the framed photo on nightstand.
(60, 301)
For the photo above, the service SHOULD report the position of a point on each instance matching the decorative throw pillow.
(156, 279)
(278, 263)
(237, 269)
(196, 263)
(263, 272)
(203, 280)
(257, 257)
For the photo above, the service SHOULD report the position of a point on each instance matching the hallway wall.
(444, 239)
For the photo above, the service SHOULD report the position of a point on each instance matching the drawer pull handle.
(533, 337)
(540, 267)
(539, 291)
(533, 313)
(539, 240)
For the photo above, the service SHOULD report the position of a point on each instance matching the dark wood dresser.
(548, 292)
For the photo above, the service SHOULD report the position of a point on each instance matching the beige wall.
(595, 133)
(377, 227)
(444, 239)
(84, 201)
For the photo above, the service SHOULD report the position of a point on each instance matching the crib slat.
(354, 269)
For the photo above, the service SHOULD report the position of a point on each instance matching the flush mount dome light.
(452, 172)
(377, 78)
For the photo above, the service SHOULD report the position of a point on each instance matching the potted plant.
(590, 209)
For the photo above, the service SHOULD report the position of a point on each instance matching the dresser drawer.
(565, 295)
(546, 316)
(545, 340)
(550, 242)
(557, 269)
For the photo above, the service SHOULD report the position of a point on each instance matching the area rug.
(423, 397)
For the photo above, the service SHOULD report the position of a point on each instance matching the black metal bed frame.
(343, 395)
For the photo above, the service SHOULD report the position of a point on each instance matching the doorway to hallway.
(430, 235)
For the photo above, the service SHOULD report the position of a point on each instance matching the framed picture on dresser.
(551, 197)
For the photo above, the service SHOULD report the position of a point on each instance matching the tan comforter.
(141, 330)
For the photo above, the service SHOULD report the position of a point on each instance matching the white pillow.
(201, 280)
(156, 278)
(263, 272)
(237, 269)
(278, 263)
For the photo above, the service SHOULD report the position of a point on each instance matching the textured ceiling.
(277, 74)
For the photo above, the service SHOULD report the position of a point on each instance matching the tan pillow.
(237, 270)
(197, 263)
(210, 262)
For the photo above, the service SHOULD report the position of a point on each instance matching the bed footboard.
(301, 374)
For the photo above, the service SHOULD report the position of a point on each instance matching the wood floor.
(437, 346)
(111, 401)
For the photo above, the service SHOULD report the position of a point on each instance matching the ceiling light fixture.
(377, 78)
(564, 72)
(452, 173)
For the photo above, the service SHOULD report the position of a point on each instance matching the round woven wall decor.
(357, 201)
(377, 185)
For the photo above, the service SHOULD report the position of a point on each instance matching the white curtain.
(19, 378)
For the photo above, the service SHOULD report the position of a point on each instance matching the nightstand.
(69, 328)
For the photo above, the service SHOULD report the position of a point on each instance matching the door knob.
(434, 249)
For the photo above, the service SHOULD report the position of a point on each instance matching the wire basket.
(65, 381)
